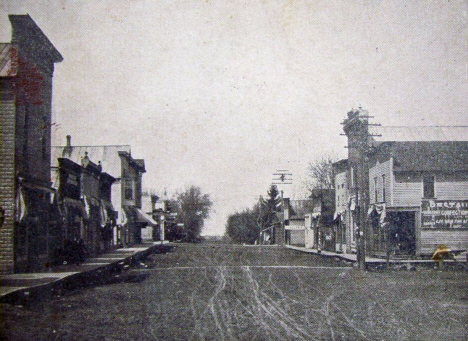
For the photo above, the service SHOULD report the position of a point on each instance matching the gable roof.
(108, 155)
(448, 156)
(419, 133)
(299, 208)
(340, 166)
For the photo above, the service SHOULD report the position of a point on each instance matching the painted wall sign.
(442, 214)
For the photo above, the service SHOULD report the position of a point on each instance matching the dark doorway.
(402, 238)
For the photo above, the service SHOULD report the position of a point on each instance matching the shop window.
(128, 189)
(428, 186)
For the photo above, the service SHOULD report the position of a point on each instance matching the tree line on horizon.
(245, 227)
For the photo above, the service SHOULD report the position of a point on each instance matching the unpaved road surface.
(226, 292)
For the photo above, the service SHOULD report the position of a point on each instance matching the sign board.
(444, 214)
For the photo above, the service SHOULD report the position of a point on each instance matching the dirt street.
(226, 292)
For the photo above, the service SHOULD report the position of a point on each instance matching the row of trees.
(191, 207)
(246, 226)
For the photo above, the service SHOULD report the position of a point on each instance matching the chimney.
(154, 199)
(85, 160)
(67, 150)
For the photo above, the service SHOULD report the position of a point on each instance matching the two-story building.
(66, 178)
(83, 199)
(26, 71)
(345, 238)
(406, 187)
(418, 195)
(126, 191)
(96, 189)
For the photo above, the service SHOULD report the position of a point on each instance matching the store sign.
(443, 214)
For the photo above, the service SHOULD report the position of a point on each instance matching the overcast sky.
(220, 94)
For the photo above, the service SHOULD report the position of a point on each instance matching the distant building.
(118, 162)
(342, 216)
(154, 209)
(321, 232)
(26, 71)
(294, 220)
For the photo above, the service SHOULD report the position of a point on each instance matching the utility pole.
(356, 128)
(282, 177)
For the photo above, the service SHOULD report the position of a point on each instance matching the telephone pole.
(356, 129)
(282, 177)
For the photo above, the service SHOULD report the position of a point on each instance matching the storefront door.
(402, 238)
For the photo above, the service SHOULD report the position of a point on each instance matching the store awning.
(77, 204)
(338, 214)
(35, 186)
(143, 217)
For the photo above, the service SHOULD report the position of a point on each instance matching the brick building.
(26, 71)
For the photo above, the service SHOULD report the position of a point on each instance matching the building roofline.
(24, 21)
(102, 145)
(429, 126)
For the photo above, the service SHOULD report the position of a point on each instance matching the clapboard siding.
(295, 225)
(454, 239)
(376, 174)
(297, 237)
(407, 193)
(453, 190)
(7, 181)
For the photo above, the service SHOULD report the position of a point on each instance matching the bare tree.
(320, 173)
